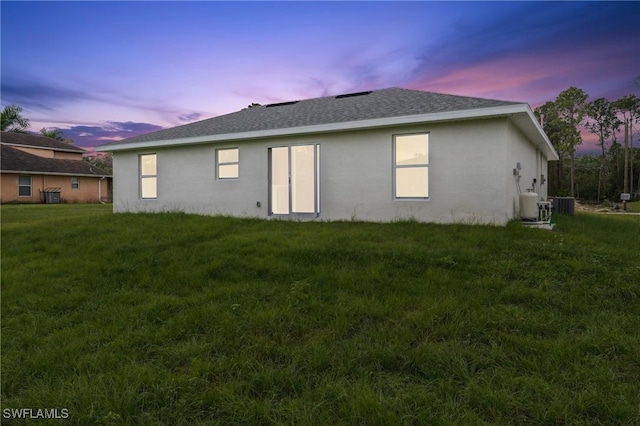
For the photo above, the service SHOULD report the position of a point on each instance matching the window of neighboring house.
(411, 166)
(148, 176)
(228, 163)
(24, 186)
(75, 182)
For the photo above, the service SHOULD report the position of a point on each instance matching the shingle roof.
(14, 160)
(26, 139)
(394, 102)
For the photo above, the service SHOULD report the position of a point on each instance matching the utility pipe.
(100, 190)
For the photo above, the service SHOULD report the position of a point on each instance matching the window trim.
(395, 167)
(75, 180)
(227, 163)
(142, 176)
(30, 186)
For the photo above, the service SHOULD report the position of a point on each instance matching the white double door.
(294, 179)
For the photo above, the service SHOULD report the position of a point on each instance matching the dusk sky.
(103, 71)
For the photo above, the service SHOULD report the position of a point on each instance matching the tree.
(614, 169)
(55, 134)
(604, 125)
(587, 167)
(52, 133)
(13, 121)
(629, 107)
(102, 161)
(570, 106)
(555, 129)
(561, 119)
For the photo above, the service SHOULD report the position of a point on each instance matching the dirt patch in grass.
(632, 208)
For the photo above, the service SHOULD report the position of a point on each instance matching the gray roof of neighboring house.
(16, 161)
(37, 141)
(394, 102)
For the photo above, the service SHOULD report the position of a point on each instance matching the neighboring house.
(378, 156)
(38, 169)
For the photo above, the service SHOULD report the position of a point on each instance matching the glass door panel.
(303, 197)
(280, 180)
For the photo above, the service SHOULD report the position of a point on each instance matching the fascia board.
(71, 150)
(552, 154)
(35, 172)
(324, 128)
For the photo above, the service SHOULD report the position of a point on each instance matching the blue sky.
(102, 71)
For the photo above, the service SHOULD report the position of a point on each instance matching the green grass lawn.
(180, 319)
(633, 206)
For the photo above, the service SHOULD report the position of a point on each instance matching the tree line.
(11, 120)
(592, 177)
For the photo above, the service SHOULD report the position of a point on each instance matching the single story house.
(381, 155)
(38, 169)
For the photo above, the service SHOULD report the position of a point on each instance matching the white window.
(75, 182)
(148, 176)
(411, 166)
(24, 186)
(228, 163)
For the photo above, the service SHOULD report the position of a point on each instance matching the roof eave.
(533, 130)
(37, 172)
(75, 150)
(529, 125)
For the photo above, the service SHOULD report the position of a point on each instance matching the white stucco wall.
(533, 166)
(470, 175)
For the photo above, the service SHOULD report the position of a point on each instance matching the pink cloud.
(532, 79)
(537, 77)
